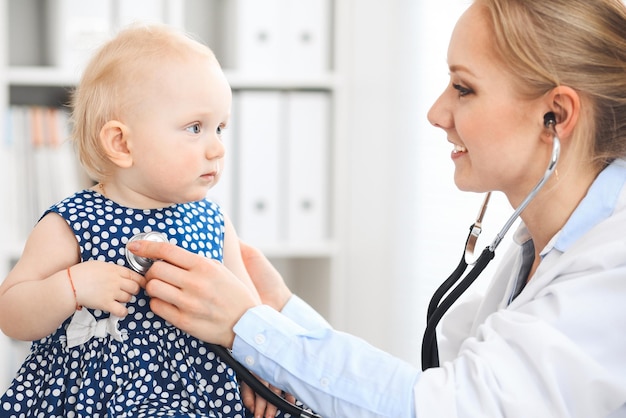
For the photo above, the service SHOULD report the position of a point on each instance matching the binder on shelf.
(256, 42)
(23, 207)
(307, 30)
(9, 209)
(259, 160)
(308, 174)
(41, 152)
(279, 36)
(75, 29)
(174, 13)
(41, 164)
(62, 173)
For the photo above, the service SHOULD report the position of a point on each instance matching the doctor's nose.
(438, 114)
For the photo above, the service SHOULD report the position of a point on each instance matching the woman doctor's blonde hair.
(582, 45)
(108, 87)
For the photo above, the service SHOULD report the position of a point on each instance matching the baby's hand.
(259, 406)
(105, 286)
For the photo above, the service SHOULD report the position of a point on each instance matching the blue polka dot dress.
(154, 369)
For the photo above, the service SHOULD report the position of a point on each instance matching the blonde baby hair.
(106, 89)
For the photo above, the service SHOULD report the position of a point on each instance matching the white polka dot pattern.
(157, 370)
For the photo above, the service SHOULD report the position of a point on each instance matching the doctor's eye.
(463, 91)
(194, 128)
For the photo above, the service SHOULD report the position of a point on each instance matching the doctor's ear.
(564, 103)
(113, 138)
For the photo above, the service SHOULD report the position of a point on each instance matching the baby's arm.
(30, 307)
(232, 255)
(37, 296)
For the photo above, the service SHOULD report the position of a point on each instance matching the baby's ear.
(113, 137)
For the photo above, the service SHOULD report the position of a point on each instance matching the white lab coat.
(558, 350)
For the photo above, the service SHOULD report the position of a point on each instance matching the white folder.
(68, 176)
(279, 36)
(308, 126)
(76, 29)
(306, 37)
(259, 129)
(257, 38)
(25, 206)
(10, 160)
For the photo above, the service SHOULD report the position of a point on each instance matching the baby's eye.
(194, 128)
(220, 129)
(463, 91)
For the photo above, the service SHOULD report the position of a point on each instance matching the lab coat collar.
(597, 205)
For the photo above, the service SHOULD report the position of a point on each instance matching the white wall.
(405, 222)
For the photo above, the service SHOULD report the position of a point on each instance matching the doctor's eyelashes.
(463, 91)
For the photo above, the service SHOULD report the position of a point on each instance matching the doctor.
(548, 339)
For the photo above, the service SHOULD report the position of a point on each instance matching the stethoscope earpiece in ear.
(549, 120)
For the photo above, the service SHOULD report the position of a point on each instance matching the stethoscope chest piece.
(142, 264)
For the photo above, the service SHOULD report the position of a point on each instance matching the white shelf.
(40, 76)
(55, 77)
(280, 82)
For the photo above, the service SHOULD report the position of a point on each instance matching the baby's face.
(175, 130)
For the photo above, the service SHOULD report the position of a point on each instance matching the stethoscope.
(142, 264)
(436, 308)
(438, 304)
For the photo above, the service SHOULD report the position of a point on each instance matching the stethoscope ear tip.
(549, 120)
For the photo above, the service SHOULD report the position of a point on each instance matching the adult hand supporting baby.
(194, 293)
(266, 279)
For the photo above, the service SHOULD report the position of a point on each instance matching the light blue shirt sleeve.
(334, 373)
(303, 314)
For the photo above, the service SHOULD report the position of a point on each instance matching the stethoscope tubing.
(430, 352)
(259, 388)
(554, 158)
(439, 305)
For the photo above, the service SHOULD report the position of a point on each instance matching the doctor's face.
(494, 131)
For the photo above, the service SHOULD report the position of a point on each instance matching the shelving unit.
(29, 78)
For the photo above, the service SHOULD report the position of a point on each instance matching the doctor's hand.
(194, 293)
(268, 282)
